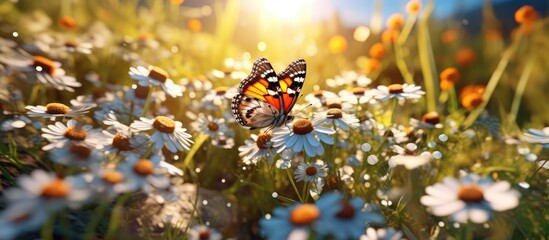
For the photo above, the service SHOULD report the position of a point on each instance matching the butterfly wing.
(258, 104)
(290, 82)
(252, 112)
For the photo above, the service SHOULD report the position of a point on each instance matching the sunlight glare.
(285, 9)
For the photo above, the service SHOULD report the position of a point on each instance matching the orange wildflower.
(67, 22)
(395, 21)
(465, 56)
(389, 36)
(449, 36)
(413, 6)
(471, 96)
(450, 74)
(372, 65)
(194, 25)
(377, 51)
(526, 14)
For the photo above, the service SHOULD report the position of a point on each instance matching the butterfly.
(264, 98)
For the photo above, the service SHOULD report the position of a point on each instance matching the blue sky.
(359, 12)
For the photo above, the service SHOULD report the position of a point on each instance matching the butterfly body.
(264, 98)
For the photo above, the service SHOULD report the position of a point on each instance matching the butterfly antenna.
(303, 108)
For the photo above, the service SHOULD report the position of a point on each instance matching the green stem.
(197, 144)
(493, 82)
(148, 101)
(116, 216)
(290, 177)
(521, 86)
(469, 231)
(536, 172)
(47, 229)
(96, 219)
(34, 93)
(426, 58)
(399, 50)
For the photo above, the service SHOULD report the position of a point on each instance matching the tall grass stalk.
(493, 82)
(426, 58)
(399, 49)
(521, 86)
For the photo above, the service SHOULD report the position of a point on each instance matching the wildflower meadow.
(274, 119)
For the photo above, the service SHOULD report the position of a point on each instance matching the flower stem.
(148, 101)
(521, 86)
(96, 219)
(197, 144)
(427, 59)
(493, 82)
(116, 216)
(293, 184)
(399, 50)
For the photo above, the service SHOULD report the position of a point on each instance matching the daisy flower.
(78, 47)
(48, 192)
(167, 133)
(20, 218)
(319, 98)
(138, 95)
(126, 143)
(108, 182)
(76, 154)
(293, 222)
(157, 77)
(310, 172)
(260, 146)
(338, 118)
(408, 157)
(470, 198)
(349, 78)
(358, 95)
(382, 234)
(45, 70)
(53, 110)
(215, 97)
(208, 125)
(344, 219)
(142, 174)
(222, 141)
(538, 136)
(202, 232)
(303, 136)
(429, 120)
(399, 91)
(59, 135)
(16, 122)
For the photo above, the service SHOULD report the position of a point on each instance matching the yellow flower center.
(311, 171)
(470, 194)
(143, 167)
(334, 103)
(75, 134)
(121, 142)
(347, 211)
(112, 177)
(212, 126)
(395, 88)
(318, 93)
(71, 44)
(43, 64)
(220, 91)
(304, 214)
(358, 91)
(141, 91)
(81, 151)
(302, 126)
(262, 140)
(432, 118)
(57, 108)
(204, 235)
(158, 74)
(164, 124)
(56, 189)
(334, 113)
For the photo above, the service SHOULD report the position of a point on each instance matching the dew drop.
(366, 147)
(437, 154)
(524, 185)
(443, 137)
(205, 202)
(274, 195)
(197, 170)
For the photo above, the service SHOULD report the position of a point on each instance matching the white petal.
(478, 215)
(447, 209)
